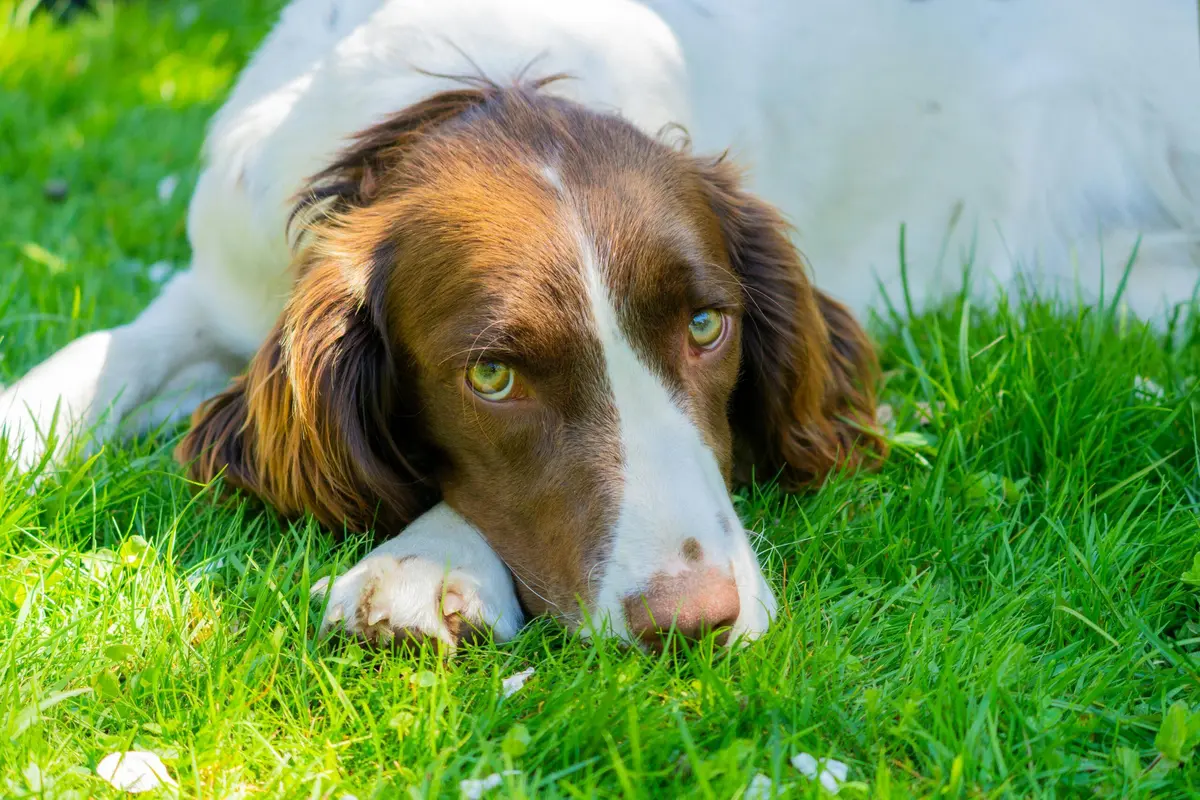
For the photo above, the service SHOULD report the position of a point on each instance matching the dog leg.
(94, 382)
(439, 579)
(180, 396)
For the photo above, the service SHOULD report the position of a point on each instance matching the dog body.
(1016, 134)
(1036, 141)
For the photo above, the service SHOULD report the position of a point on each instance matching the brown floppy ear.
(312, 425)
(805, 400)
(322, 421)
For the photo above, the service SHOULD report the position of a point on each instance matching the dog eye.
(706, 327)
(491, 380)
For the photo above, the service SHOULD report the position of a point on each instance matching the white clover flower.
(475, 788)
(134, 771)
(761, 788)
(513, 683)
(831, 773)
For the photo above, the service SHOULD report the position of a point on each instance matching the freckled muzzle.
(693, 604)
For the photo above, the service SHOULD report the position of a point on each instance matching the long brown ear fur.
(805, 402)
(314, 424)
(311, 427)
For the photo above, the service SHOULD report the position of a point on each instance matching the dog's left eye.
(705, 328)
(491, 380)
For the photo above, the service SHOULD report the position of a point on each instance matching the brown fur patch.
(805, 404)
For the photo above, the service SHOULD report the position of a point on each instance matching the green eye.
(491, 380)
(706, 327)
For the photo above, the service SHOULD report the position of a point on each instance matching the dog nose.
(695, 602)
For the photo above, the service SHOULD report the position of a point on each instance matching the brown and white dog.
(547, 342)
(571, 332)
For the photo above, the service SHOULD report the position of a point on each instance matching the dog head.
(573, 333)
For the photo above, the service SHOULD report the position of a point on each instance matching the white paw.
(46, 437)
(43, 414)
(24, 431)
(386, 599)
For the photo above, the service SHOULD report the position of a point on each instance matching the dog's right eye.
(492, 380)
(706, 328)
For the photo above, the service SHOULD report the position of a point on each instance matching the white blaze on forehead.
(672, 485)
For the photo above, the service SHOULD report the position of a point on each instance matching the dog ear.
(804, 404)
(314, 424)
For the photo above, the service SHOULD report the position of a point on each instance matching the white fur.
(1035, 134)
(439, 566)
(1030, 135)
(672, 488)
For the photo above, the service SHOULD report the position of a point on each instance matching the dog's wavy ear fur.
(321, 422)
(804, 404)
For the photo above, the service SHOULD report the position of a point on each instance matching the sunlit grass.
(1009, 607)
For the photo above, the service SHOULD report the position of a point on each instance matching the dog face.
(568, 330)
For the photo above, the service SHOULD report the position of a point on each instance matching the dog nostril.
(695, 603)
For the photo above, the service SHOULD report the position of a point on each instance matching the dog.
(558, 325)
(522, 326)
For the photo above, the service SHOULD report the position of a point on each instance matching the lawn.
(1010, 607)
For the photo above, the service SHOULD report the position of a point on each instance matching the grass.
(1009, 608)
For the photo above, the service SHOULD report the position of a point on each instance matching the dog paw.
(25, 443)
(385, 600)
